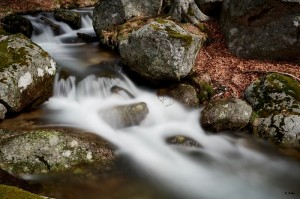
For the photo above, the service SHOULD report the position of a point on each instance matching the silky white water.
(223, 167)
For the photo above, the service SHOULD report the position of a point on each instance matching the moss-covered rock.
(44, 151)
(17, 24)
(226, 114)
(8, 192)
(26, 72)
(160, 51)
(70, 17)
(183, 93)
(275, 98)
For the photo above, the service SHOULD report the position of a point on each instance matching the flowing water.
(223, 167)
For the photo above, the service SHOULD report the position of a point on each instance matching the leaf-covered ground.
(230, 74)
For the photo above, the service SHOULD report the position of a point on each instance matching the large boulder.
(275, 99)
(44, 151)
(109, 13)
(226, 114)
(17, 24)
(268, 29)
(26, 72)
(160, 51)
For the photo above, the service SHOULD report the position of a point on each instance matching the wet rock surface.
(26, 72)
(262, 29)
(70, 17)
(48, 151)
(226, 114)
(125, 115)
(183, 93)
(160, 51)
(275, 99)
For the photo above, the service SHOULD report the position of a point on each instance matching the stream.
(223, 167)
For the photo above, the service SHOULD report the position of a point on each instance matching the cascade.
(223, 167)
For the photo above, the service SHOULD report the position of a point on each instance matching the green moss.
(161, 21)
(8, 192)
(188, 39)
(10, 56)
(282, 85)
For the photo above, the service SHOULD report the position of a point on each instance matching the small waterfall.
(223, 167)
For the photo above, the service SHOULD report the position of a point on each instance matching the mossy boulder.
(125, 115)
(44, 151)
(108, 14)
(226, 114)
(183, 93)
(26, 72)
(9, 192)
(72, 18)
(267, 29)
(160, 52)
(17, 24)
(275, 99)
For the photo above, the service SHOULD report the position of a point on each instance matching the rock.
(55, 27)
(266, 29)
(117, 90)
(275, 99)
(160, 52)
(44, 151)
(202, 84)
(70, 17)
(87, 38)
(9, 192)
(17, 24)
(109, 13)
(3, 111)
(211, 8)
(125, 115)
(26, 72)
(183, 93)
(226, 114)
(183, 141)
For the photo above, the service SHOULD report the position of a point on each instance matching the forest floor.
(227, 71)
(234, 74)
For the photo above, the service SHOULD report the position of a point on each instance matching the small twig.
(282, 73)
(207, 54)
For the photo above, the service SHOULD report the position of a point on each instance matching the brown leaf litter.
(231, 75)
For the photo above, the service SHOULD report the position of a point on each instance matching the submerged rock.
(275, 99)
(125, 115)
(109, 13)
(44, 151)
(266, 29)
(226, 114)
(183, 93)
(70, 17)
(26, 72)
(160, 52)
(17, 24)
